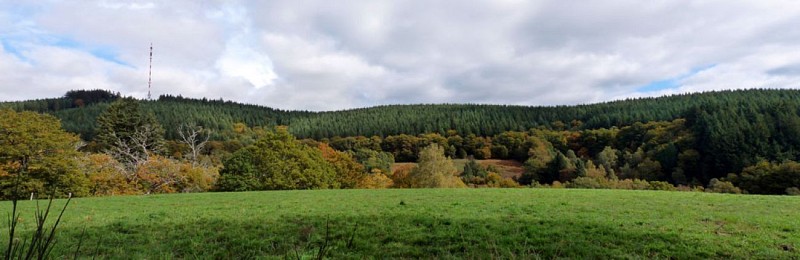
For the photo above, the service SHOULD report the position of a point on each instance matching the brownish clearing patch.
(506, 168)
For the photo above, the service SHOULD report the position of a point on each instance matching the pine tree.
(128, 134)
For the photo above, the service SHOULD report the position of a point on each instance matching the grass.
(433, 223)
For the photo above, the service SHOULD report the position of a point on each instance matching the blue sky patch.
(103, 52)
(9, 47)
(12, 44)
(672, 82)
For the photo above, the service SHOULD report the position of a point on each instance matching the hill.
(682, 139)
(431, 223)
(78, 111)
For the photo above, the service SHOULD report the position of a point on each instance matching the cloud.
(240, 57)
(320, 77)
(320, 55)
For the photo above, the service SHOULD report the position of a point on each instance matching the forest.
(738, 141)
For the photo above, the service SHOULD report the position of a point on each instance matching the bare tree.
(196, 138)
(136, 150)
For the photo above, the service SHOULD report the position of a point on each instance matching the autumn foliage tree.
(277, 162)
(37, 156)
(375, 180)
(434, 170)
(163, 175)
(107, 176)
(348, 172)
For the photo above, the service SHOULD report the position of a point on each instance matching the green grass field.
(432, 223)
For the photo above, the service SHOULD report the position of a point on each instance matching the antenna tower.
(150, 72)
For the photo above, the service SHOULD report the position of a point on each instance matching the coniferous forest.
(738, 140)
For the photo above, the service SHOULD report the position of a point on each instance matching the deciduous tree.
(348, 172)
(36, 155)
(195, 138)
(277, 162)
(434, 170)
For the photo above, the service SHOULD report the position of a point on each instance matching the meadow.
(428, 223)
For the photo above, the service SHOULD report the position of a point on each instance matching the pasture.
(428, 223)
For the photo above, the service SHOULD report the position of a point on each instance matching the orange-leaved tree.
(348, 172)
(107, 176)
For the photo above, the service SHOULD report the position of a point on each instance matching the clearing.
(506, 168)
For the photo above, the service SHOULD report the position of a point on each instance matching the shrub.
(662, 185)
(375, 180)
(586, 183)
(494, 180)
(718, 186)
(768, 178)
(632, 184)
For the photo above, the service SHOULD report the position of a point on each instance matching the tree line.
(744, 138)
(79, 109)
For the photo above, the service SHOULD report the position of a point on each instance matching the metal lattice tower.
(150, 72)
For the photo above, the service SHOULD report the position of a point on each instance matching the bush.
(768, 178)
(375, 180)
(632, 184)
(661, 185)
(626, 184)
(494, 180)
(586, 183)
(718, 186)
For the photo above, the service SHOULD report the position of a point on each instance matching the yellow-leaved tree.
(434, 170)
(37, 156)
(107, 176)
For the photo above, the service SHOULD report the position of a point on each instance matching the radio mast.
(150, 72)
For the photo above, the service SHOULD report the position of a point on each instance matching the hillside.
(431, 223)
(481, 120)
(682, 139)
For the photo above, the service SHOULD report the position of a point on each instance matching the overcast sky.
(326, 55)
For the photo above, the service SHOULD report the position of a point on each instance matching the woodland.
(95, 143)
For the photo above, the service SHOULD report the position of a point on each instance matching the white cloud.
(323, 55)
(127, 5)
(240, 57)
(241, 60)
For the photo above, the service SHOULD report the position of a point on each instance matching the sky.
(332, 55)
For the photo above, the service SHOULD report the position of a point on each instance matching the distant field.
(432, 223)
(506, 168)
